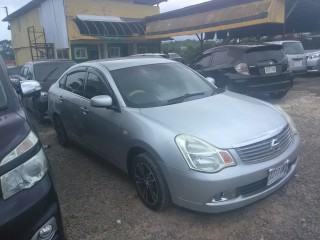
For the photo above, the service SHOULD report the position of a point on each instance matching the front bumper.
(26, 212)
(244, 183)
(313, 65)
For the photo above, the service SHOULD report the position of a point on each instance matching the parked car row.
(182, 136)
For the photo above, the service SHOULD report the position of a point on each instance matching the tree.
(6, 50)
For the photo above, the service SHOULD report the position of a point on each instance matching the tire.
(61, 132)
(278, 95)
(38, 115)
(150, 183)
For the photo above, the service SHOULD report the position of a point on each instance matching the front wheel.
(150, 183)
(61, 132)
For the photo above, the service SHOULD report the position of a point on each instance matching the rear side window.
(220, 58)
(255, 57)
(293, 48)
(75, 83)
(95, 86)
(204, 61)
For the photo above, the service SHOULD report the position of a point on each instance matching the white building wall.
(53, 19)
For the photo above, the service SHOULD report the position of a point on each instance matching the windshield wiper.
(184, 97)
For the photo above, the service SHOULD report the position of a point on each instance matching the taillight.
(242, 68)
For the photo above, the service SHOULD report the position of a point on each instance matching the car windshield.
(50, 71)
(293, 48)
(160, 84)
(173, 55)
(3, 97)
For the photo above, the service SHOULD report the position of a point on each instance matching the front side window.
(95, 87)
(159, 85)
(75, 83)
(293, 48)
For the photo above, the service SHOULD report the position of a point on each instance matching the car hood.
(13, 129)
(224, 120)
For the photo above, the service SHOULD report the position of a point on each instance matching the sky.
(13, 5)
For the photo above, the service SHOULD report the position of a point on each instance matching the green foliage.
(6, 50)
(188, 49)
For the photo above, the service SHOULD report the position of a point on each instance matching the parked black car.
(176, 57)
(46, 73)
(29, 206)
(247, 69)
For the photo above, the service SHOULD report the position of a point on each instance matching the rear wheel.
(150, 183)
(61, 132)
(278, 95)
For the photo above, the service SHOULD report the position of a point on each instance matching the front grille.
(263, 151)
(252, 188)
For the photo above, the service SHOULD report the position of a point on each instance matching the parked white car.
(296, 56)
(313, 61)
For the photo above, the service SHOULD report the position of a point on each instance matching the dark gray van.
(29, 206)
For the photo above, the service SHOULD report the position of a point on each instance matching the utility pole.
(7, 13)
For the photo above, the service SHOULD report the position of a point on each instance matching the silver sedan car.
(180, 138)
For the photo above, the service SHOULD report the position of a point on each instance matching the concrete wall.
(19, 32)
(53, 19)
(120, 8)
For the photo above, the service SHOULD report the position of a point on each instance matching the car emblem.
(275, 144)
(270, 62)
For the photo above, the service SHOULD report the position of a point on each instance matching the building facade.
(81, 30)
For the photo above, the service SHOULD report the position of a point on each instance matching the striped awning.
(207, 17)
(108, 26)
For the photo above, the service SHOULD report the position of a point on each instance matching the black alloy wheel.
(61, 132)
(150, 183)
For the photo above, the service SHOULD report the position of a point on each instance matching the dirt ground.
(99, 202)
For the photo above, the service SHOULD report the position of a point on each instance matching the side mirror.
(30, 88)
(103, 101)
(15, 81)
(211, 80)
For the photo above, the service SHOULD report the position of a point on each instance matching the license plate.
(271, 69)
(297, 63)
(277, 173)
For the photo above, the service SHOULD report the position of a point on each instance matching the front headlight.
(28, 173)
(23, 147)
(314, 56)
(202, 156)
(292, 126)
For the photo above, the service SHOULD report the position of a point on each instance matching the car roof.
(284, 41)
(127, 62)
(51, 61)
(240, 47)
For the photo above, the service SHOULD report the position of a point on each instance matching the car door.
(101, 126)
(72, 92)
(219, 67)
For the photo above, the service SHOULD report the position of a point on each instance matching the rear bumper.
(25, 213)
(262, 84)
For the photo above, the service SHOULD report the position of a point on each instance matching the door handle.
(61, 98)
(84, 110)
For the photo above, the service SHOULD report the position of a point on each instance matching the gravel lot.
(99, 202)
